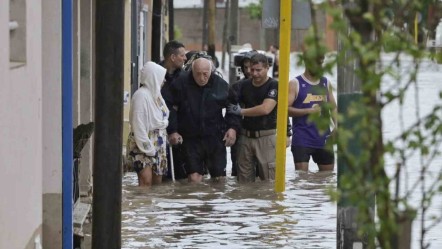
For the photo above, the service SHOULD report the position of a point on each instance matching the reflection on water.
(229, 215)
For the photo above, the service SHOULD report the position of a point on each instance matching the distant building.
(188, 4)
(189, 21)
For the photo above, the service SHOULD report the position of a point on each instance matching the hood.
(152, 77)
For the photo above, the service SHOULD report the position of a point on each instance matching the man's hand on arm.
(234, 109)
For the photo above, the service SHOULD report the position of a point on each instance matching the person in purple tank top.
(307, 92)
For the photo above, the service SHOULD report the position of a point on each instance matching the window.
(17, 32)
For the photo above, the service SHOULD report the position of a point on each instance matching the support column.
(85, 177)
(76, 62)
(350, 92)
(156, 29)
(233, 37)
(52, 128)
(106, 227)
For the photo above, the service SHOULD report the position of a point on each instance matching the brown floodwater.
(230, 215)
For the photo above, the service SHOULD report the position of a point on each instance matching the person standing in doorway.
(274, 50)
(308, 93)
(148, 119)
(257, 104)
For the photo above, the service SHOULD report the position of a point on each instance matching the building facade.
(250, 30)
(21, 124)
(31, 111)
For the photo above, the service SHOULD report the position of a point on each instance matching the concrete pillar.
(76, 63)
(51, 95)
(106, 226)
(149, 29)
(233, 35)
(127, 68)
(85, 89)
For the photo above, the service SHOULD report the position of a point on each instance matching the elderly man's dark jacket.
(196, 111)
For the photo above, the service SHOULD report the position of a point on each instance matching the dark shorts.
(320, 156)
(205, 153)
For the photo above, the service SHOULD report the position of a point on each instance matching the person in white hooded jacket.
(148, 119)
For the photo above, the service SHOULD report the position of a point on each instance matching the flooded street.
(213, 215)
(229, 215)
(420, 101)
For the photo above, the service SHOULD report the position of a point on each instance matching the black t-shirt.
(169, 77)
(234, 91)
(251, 96)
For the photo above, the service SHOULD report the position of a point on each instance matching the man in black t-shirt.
(257, 104)
(234, 91)
(174, 54)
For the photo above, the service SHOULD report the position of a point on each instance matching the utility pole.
(350, 91)
(285, 28)
(134, 47)
(156, 31)
(205, 25)
(106, 226)
(233, 37)
(212, 37)
(171, 21)
(226, 24)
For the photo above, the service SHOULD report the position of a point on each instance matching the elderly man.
(196, 99)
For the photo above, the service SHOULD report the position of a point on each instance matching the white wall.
(21, 135)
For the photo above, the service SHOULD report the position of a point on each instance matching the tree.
(365, 29)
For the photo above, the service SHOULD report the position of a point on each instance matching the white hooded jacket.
(148, 110)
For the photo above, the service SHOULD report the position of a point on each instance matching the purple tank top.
(306, 133)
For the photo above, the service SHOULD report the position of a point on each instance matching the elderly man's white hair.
(200, 60)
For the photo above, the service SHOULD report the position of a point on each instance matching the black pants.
(178, 162)
(205, 153)
(234, 157)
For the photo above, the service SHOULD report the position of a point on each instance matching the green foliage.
(255, 10)
(367, 30)
(438, 57)
(178, 34)
(392, 43)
